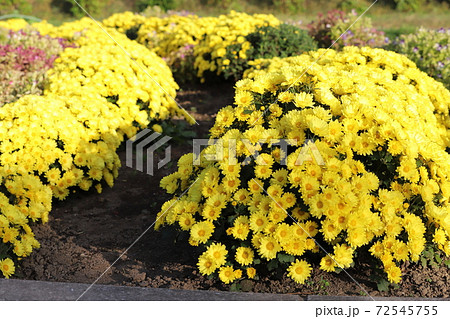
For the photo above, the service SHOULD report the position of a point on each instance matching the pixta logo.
(143, 145)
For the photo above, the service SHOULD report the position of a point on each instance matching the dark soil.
(89, 231)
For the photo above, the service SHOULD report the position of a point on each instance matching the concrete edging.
(29, 290)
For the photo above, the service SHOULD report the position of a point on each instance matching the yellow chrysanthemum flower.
(202, 231)
(269, 247)
(227, 274)
(244, 256)
(299, 270)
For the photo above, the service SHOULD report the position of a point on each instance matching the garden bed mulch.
(88, 231)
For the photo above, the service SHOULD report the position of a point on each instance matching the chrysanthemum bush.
(381, 127)
(174, 38)
(429, 49)
(66, 139)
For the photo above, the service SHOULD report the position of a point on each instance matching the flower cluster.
(229, 29)
(169, 34)
(333, 27)
(25, 56)
(124, 21)
(376, 176)
(430, 50)
(14, 24)
(67, 139)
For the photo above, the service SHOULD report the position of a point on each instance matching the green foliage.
(356, 5)
(432, 257)
(165, 5)
(224, 4)
(429, 49)
(406, 5)
(15, 6)
(179, 131)
(267, 42)
(393, 33)
(289, 6)
(93, 7)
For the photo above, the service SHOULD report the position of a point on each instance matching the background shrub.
(165, 5)
(406, 5)
(93, 7)
(289, 6)
(429, 49)
(333, 27)
(25, 57)
(15, 6)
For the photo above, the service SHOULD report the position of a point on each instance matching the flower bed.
(66, 139)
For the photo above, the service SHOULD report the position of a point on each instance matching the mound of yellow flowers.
(322, 155)
(208, 35)
(97, 93)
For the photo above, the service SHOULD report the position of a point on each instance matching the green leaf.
(273, 264)
(438, 258)
(256, 261)
(284, 258)
(235, 287)
(423, 261)
(383, 285)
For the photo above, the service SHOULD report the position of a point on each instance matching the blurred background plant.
(429, 49)
(25, 57)
(345, 29)
(165, 5)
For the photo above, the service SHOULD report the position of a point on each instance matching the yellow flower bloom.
(269, 247)
(251, 272)
(202, 231)
(299, 270)
(244, 256)
(7, 267)
(227, 274)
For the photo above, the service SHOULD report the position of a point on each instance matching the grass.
(384, 18)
